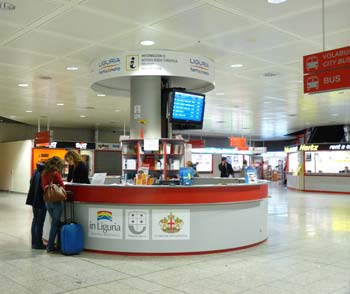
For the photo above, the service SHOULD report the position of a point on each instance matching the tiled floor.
(308, 251)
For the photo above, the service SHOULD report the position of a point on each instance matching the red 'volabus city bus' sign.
(327, 60)
(327, 81)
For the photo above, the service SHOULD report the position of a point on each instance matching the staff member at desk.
(345, 171)
(225, 168)
(78, 172)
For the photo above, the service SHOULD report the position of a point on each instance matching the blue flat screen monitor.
(187, 108)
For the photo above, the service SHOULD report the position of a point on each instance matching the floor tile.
(307, 252)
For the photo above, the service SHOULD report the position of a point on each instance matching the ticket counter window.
(327, 161)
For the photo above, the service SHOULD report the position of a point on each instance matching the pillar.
(145, 105)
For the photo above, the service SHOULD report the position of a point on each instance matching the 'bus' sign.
(327, 81)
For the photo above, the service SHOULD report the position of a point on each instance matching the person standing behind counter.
(225, 168)
(78, 172)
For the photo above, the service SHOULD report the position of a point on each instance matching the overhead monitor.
(186, 108)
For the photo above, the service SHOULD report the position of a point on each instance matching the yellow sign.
(311, 147)
(290, 149)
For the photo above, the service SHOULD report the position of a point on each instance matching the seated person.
(191, 165)
(345, 170)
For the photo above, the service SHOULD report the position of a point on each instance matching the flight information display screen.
(187, 107)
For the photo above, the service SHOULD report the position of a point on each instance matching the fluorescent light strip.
(276, 1)
(147, 43)
(72, 68)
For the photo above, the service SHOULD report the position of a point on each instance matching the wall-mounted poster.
(203, 162)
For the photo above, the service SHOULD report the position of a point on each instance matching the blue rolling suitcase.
(71, 235)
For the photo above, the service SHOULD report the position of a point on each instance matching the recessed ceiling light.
(101, 95)
(117, 110)
(147, 43)
(220, 94)
(276, 1)
(23, 85)
(267, 102)
(72, 68)
(82, 116)
(335, 114)
(236, 65)
(60, 104)
(29, 111)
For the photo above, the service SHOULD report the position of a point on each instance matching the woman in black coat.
(36, 200)
(78, 172)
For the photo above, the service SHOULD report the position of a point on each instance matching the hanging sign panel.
(43, 138)
(327, 60)
(327, 81)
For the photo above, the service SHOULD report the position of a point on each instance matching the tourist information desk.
(161, 220)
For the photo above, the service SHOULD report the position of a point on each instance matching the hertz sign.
(305, 147)
(317, 147)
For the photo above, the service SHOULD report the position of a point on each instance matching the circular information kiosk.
(217, 216)
(171, 220)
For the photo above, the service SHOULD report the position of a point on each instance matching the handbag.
(54, 192)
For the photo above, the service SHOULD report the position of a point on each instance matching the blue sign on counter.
(250, 176)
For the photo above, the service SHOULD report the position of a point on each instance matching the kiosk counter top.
(168, 194)
(171, 220)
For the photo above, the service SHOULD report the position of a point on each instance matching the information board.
(187, 107)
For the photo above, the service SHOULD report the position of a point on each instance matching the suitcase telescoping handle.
(71, 204)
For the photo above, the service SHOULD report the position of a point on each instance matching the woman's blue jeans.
(55, 210)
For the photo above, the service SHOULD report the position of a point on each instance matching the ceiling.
(263, 99)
